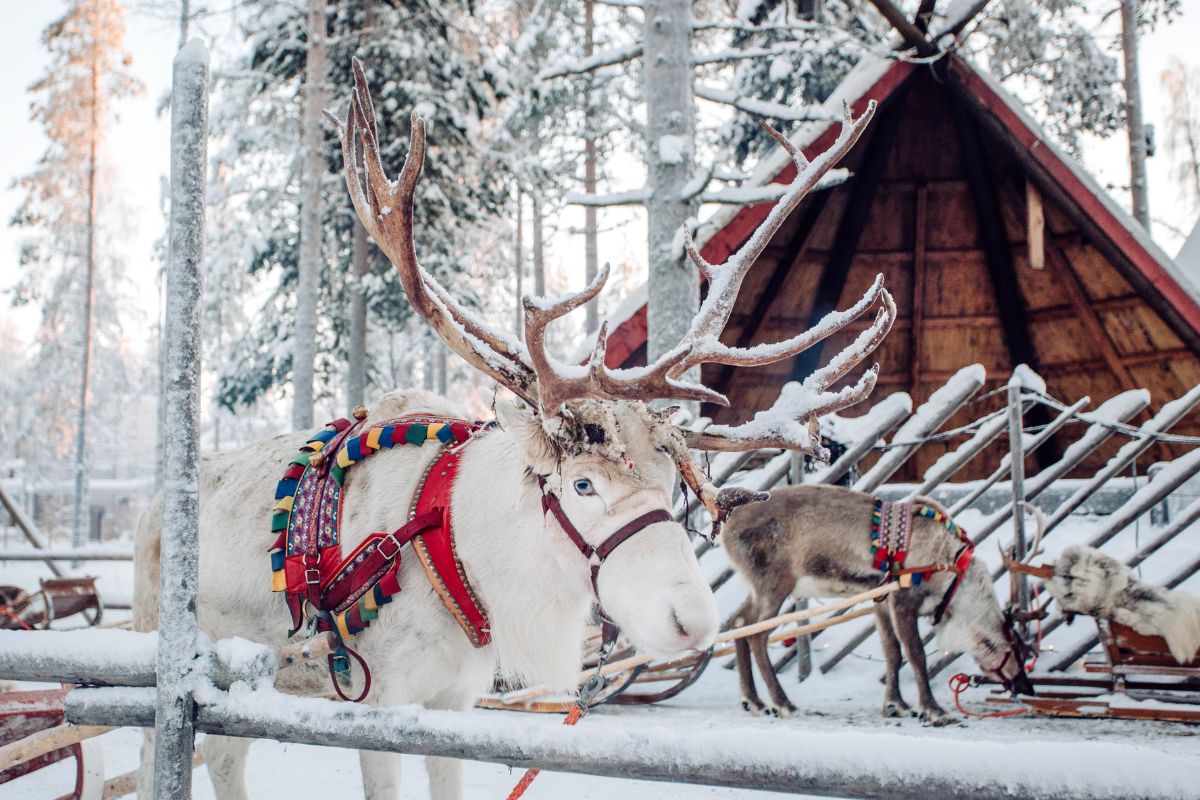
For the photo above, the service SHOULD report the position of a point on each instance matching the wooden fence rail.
(912, 429)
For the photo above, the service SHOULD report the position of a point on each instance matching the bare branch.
(632, 197)
(912, 35)
(605, 58)
(750, 195)
(761, 108)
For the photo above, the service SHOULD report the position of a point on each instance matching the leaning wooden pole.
(175, 711)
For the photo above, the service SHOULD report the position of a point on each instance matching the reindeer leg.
(893, 703)
(226, 760)
(750, 700)
(904, 617)
(767, 608)
(781, 705)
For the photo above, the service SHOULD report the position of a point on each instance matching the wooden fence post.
(175, 711)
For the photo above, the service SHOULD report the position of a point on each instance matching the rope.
(573, 716)
(8, 613)
(960, 683)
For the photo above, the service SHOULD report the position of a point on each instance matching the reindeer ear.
(524, 425)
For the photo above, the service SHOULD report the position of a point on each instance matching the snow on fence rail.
(911, 430)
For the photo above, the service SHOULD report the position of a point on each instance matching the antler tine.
(853, 354)
(664, 377)
(385, 209)
(792, 421)
(725, 281)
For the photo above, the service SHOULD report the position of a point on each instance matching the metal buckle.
(312, 576)
(389, 538)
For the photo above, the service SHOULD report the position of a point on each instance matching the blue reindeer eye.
(584, 487)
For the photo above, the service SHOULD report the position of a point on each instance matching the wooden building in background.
(998, 248)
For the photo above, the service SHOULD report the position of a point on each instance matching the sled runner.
(1137, 678)
(33, 736)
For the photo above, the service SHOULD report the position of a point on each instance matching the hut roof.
(998, 247)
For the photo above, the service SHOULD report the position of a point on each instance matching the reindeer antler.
(386, 211)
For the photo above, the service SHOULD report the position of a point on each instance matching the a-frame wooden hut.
(998, 248)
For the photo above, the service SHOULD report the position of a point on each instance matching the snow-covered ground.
(837, 708)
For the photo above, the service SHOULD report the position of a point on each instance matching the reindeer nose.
(694, 630)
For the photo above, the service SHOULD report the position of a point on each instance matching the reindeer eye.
(584, 487)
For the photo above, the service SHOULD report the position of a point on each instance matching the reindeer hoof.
(897, 708)
(752, 707)
(783, 712)
(935, 717)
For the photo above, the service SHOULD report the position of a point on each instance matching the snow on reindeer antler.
(386, 211)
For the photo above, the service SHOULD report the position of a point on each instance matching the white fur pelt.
(1089, 582)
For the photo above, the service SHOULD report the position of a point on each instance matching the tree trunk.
(539, 248)
(590, 248)
(185, 14)
(312, 141)
(674, 290)
(520, 247)
(1133, 115)
(89, 299)
(356, 379)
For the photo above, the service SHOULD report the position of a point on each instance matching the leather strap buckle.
(390, 538)
(312, 576)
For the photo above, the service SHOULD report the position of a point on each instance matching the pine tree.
(63, 202)
(418, 55)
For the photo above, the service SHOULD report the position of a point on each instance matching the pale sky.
(138, 143)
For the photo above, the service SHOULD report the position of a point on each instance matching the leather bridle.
(596, 555)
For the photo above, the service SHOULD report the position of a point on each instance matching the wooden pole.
(46, 741)
(785, 759)
(178, 629)
(1133, 114)
(1016, 464)
(26, 526)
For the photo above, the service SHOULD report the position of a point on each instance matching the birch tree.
(1182, 84)
(64, 195)
(311, 220)
(419, 55)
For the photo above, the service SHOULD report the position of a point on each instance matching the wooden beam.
(997, 251)
(1089, 319)
(910, 33)
(924, 12)
(783, 268)
(863, 187)
(918, 287)
(1035, 226)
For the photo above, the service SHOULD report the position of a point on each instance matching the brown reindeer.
(815, 541)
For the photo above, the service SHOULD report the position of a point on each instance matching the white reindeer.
(587, 433)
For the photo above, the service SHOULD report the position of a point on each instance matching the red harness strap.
(597, 555)
(435, 548)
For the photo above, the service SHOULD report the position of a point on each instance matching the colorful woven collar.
(306, 557)
(891, 534)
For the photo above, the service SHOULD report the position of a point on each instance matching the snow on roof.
(1188, 258)
(1135, 231)
(1176, 283)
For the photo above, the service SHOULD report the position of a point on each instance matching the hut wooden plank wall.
(997, 248)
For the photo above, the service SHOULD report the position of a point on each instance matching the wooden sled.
(33, 735)
(58, 598)
(1138, 679)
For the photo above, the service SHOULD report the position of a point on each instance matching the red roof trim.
(631, 334)
(1092, 206)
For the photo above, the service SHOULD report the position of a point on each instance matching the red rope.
(573, 716)
(4, 610)
(960, 683)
